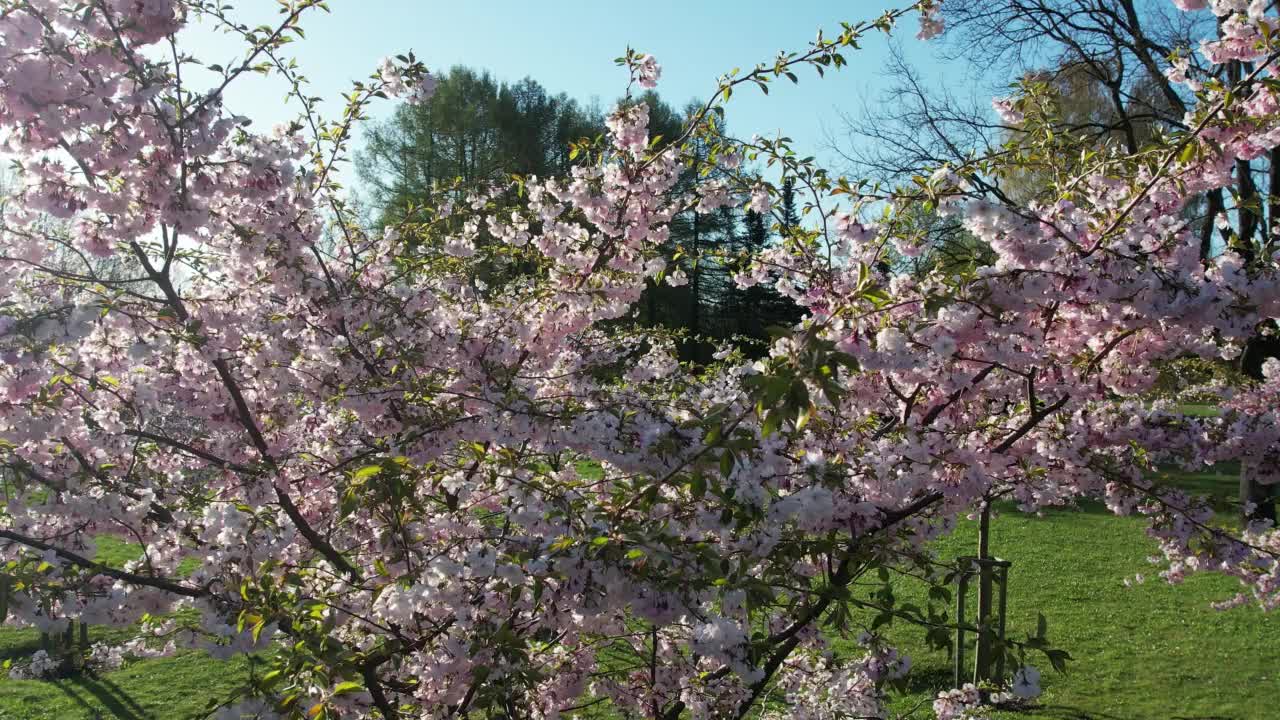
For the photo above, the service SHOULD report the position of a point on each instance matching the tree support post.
(992, 612)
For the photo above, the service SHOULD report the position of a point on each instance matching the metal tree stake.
(990, 571)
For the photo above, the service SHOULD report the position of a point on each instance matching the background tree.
(410, 496)
(1097, 78)
(474, 130)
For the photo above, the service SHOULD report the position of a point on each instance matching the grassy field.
(177, 688)
(1151, 651)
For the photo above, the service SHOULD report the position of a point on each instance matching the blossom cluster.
(435, 466)
(39, 666)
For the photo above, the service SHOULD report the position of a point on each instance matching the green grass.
(1152, 650)
(1141, 653)
(172, 688)
(116, 552)
(176, 688)
(1200, 409)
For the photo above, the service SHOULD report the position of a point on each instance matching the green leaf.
(1058, 659)
(803, 418)
(350, 501)
(727, 460)
(771, 422)
(366, 472)
(713, 435)
(346, 687)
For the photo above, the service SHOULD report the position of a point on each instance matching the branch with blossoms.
(432, 494)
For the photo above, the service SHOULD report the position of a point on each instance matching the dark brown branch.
(150, 581)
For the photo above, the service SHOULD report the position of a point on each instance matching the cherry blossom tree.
(417, 495)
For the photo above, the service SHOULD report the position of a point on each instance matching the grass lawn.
(1148, 652)
(172, 688)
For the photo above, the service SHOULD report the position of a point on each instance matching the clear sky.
(569, 46)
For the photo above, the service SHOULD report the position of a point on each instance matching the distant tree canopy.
(476, 130)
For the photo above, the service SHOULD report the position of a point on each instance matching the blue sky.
(569, 46)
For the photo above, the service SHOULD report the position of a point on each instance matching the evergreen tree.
(790, 217)
(476, 130)
(473, 130)
(758, 308)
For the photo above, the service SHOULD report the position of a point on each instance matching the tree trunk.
(1216, 204)
(695, 297)
(1269, 233)
(982, 661)
(1257, 351)
(1255, 499)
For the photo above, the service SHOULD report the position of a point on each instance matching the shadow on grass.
(929, 679)
(20, 649)
(108, 695)
(1068, 712)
